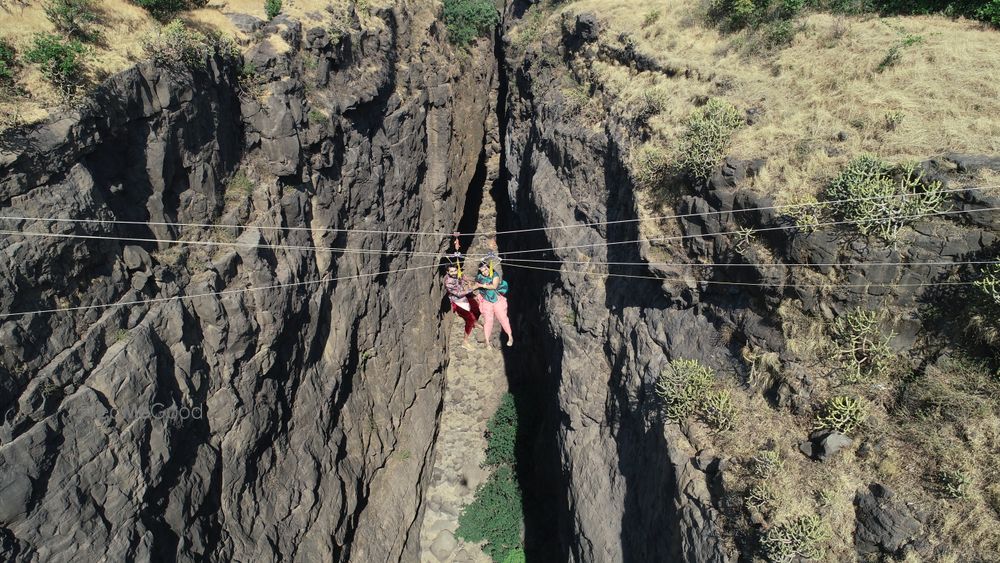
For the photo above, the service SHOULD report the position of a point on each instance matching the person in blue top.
(492, 301)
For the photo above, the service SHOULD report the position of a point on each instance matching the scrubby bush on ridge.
(878, 198)
(651, 166)
(709, 130)
(177, 45)
(8, 60)
(862, 347)
(468, 19)
(72, 17)
(60, 60)
(163, 10)
(842, 414)
(272, 8)
(805, 537)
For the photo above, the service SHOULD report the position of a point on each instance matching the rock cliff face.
(626, 485)
(294, 421)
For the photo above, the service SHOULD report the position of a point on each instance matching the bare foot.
(510, 341)
(468, 345)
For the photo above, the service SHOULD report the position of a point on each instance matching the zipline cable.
(753, 265)
(234, 244)
(723, 282)
(745, 210)
(214, 293)
(504, 255)
(474, 233)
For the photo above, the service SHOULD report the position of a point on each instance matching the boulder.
(883, 525)
(587, 28)
(136, 258)
(823, 444)
(579, 31)
(972, 163)
(245, 22)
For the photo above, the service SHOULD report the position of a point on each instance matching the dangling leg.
(488, 311)
(470, 322)
(501, 314)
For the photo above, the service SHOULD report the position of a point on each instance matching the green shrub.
(8, 63)
(651, 167)
(767, 464)
(806, 218)
(895, 53)
(650, 18)
(954, 483)
(760, 496)
(842, 414)
(501, 433)
(60, 60)
(162, 10)
(988, 283)
(791, 8)
(805, 536)
(683, 386)
(893, 119)
(648, 103)
(779, 34)
(177, 45)
(468, 19)
(879, 199)
(72, 17)
(985, 10)
(516, 556)
(709, 130)
(494, 515)
(740, 13)
(718, 411)
(989, 12)
(862, 347)
(983, 319)
(272, 8)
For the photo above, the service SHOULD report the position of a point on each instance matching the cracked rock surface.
(262, 425)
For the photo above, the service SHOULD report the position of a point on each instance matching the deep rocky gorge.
(297, 393)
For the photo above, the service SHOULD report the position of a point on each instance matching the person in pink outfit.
(492, 302)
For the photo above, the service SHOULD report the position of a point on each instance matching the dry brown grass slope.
(942, 95)
(122, 28)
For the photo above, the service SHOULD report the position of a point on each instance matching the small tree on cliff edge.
(468, 19)
(272, 8)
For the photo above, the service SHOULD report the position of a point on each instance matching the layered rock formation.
(259, 424)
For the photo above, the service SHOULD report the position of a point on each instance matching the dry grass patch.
(122, 28)
(940, 95)
(119, 27)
